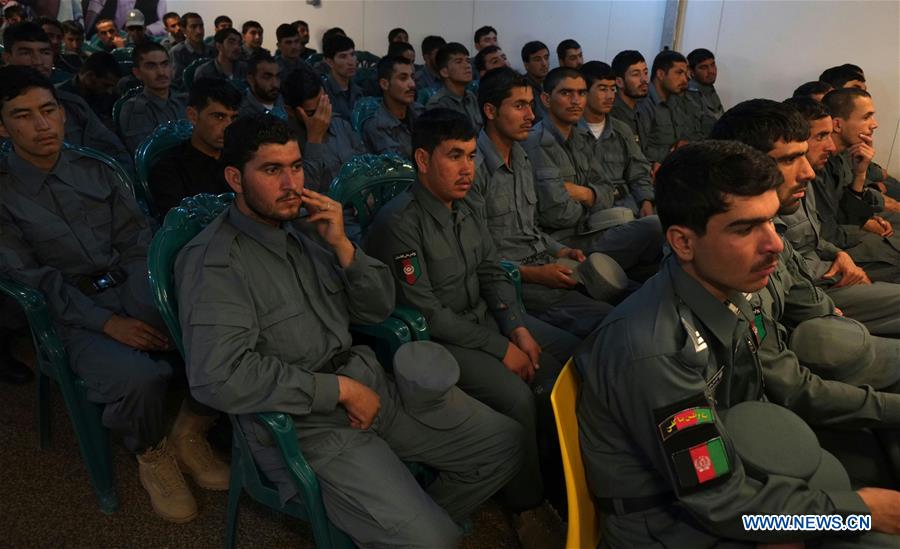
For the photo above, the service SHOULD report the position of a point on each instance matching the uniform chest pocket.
(281, 328)
(49, 230)
(546, 175)
(498, 204)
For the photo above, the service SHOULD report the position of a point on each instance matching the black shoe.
(14, 372)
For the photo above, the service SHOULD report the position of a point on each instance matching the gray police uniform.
(323, 161)
(265, 314)
(467, 105)
(212, 69)
(445, 265)
(80, 238)
(507, 201)
(287, 66)
(183, 55)
(705, 100)
(425, 79)
(83, 127)
(141, 114)
(635, 244)
(385, 133)
(540, 112)
(666, 122)
(250, 105)
(342, 101)
(874, 305)
(637, 121)
(663, 369)
(617, 157)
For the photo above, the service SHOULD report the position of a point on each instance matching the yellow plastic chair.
(584, 520)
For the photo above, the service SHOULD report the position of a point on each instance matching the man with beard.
(252, 33)
(632, 86)
(390, 128)
(264, 93)
(303, 29)
(227, 64)
(701, 90)
(536, 58)
(289, 47)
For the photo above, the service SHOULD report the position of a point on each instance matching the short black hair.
(101, 64)
(301, 85)
(564, 46)
(435, 126)
(222, 19)
(385, 67)
(555, 76)
(698, 56)
(258, 57)
(394, 32)
(447, 51)
(596, 70)
(484, 31)
(333, 31)
(247, 134)
(49, 21)
(840, 75)
(205, 90)
(841, 102)
(26, 31)
(71, 27)
(396, 49)
(693, 183)
(189, 15)
(497, 85)
(143, 49)
(300, 23)
(813, 87)
(14, 10)
(431, 43)
(531, 48)
(336, 44)
(760, 123)
(222, 35)
(625, 59)
(286, 30)
(482, 54)
(102, 20)
(808, 107)
(250, 25)
(664, 61)
(171, 15)
(16, 80)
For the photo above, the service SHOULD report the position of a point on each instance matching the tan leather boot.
(169, 493)
(195, 457)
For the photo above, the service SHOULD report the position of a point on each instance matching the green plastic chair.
(366, 60)
(180, 226)
(363, 109)
(165, 137)
(313, 59)
(188, 75)
(424, 95)
(123, 57)
(117, 106)
(473, 86)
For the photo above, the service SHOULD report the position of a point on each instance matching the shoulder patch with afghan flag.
(701, 463)
(408, 266)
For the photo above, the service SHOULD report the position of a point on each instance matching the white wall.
(767, 49)
(601, 27)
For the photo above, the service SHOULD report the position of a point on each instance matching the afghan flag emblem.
(684, 419)
(408, 266)
(701, 463)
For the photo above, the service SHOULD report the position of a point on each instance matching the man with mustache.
(390, 129)
(156, 104)
(632, 86)
(445, 264)
(576, 202)
(701, 90)
(264, 94)
(536, 58)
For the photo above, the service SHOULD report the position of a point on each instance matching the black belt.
(624, 506)
(335, 363)
(541, 256)
(100, 282)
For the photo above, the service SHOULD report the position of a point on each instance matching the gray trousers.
(484, 377)
(369, 493)
(876, 305)
(636, 246)
(575, 313)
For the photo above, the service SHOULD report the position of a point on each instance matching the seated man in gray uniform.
(632, 87)
(290, 47)
(228, 64)
(504, 194)
(327, 141)
(428, 76)
(701, 90)
(390, 128)
(444, 264)
(27, 45)
(192, 48)
(266, 300)
(157, 103)
(340, 57)
(680, 436)
(781, 132)
(576, 202)
(616, 153)
(264, 87)
(69, 229)
(452, 61)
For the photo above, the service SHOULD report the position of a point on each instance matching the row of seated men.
(739, 313)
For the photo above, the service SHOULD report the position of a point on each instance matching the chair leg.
(236, 486)
(43, 409)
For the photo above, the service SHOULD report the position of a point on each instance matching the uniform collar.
(33, 179)
(433, 206)
(155, 99)
(702, 88)
(653, 95)
(622, 105)
(386, 119)
(714, 314)
(607, 128)
(272, 238)
(492, 158)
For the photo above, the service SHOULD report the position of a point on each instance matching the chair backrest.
(368, 181)
(117, 106)
(182, 223)
(363, 110)
(124, 59)
(584, 522)
(188, 75)
(166, 136)
(424, 95)
(366, 60)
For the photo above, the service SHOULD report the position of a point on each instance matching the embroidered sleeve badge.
(408, 266)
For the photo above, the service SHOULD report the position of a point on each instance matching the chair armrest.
(414, 320)
(391, 330)
(282, 428)
(34, 305)
(513, 273)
